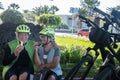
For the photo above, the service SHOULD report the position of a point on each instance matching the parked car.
(83, 32)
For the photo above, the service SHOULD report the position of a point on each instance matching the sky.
(63, 5)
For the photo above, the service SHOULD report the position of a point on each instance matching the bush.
(50, 20)
(12, 16)
(72, 55)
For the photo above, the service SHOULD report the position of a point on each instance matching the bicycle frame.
(100, 45)
(91, 62)
(86, 58)
(106, 42)
(108, 68)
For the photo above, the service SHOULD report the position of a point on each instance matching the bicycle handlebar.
(116, 36)
(92, 24)
(88, 21)
(114, 17)
(101, 12)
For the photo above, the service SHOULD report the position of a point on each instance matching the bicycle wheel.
(105, 74)
(85, 59)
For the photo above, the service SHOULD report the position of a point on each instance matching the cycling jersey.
(10, 60)
(49, 58)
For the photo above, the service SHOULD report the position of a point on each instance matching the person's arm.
(55, 61)
(8, 57)
(53, 64)
(36, 56)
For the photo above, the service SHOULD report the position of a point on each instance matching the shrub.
(50, 20)
(12, 16)
(71, 55)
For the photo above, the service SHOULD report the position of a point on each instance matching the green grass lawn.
(69, 42)
(73, 41)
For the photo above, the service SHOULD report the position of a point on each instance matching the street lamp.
(74, 11)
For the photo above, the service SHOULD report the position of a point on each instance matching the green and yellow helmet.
(23, 28)
(48, 32)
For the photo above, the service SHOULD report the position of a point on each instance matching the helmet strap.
(46, 42)
(16, 33)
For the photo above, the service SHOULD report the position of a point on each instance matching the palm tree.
(46, 9)
(82, 11)
(89, 4)
(53, 9)
(41, 10)
(14, 6)
(38, 10)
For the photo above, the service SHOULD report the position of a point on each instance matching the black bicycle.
(109, 70)
(102, 39)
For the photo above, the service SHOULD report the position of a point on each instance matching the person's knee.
(13, 77)
(23, 76)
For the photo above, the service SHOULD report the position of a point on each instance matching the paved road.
(68, 34)
(65, 34)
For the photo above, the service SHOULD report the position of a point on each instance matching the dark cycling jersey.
(21, 65)
(22, 60)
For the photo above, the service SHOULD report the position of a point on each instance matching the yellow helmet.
(23, 28)
(48, 32)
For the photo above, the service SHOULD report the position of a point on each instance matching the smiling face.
(44, 39)
(23, 36)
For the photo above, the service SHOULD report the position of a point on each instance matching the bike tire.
(76, 68)
(103, 75)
